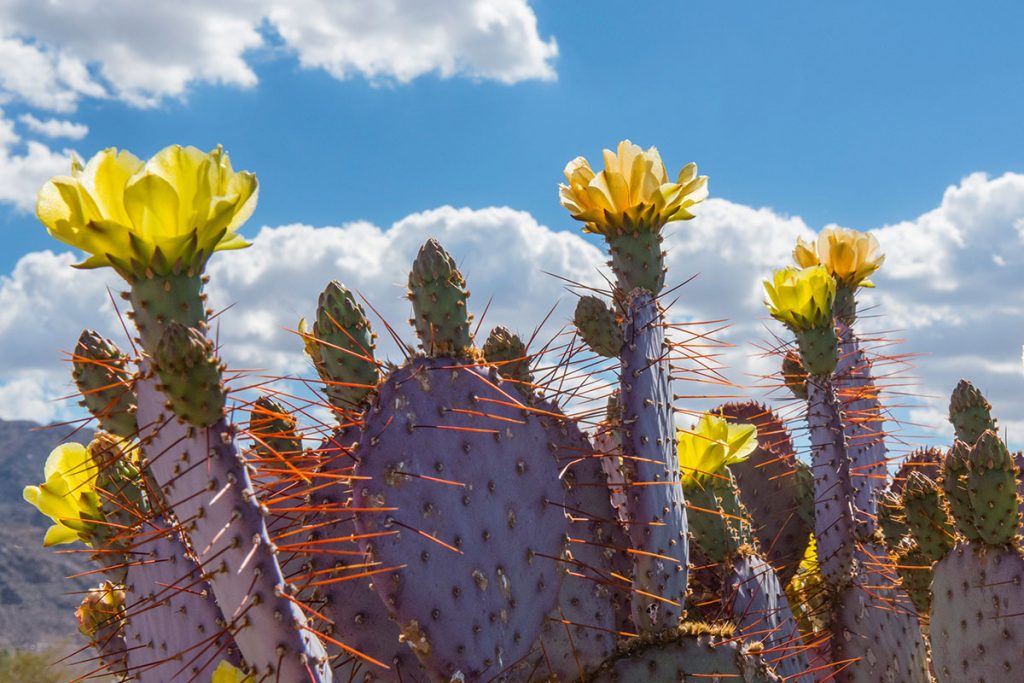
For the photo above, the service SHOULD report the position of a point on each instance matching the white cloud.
(53, 54)
(55, 128)
(23, 173)
(493, 39)
(971, 327)
(39, 76)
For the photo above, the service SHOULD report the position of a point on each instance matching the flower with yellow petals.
(711, 445)
(850, 256)
(68, 496)
(801, 299)
(227, 673)
(167, 215)
(632, 193)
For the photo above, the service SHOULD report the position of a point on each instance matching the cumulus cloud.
(23, 172)
(971, 324)
(55, 128)
(51, 54)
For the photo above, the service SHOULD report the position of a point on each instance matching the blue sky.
(837, 112)
(858, 114)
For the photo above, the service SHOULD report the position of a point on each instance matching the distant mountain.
(37, 602)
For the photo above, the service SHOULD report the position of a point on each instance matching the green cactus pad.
(438, 294)
(190, 375)
(915, 570)
(100, 373)
(794, 374)
(844, 308)
(273, 430)
(891, 519)
(507, 351)
(804, 493)
(711, 533)
(637, 261)
(927, 519)
(677, 658)
(927, 461)
(969, 412)
(345, 344)
(819, 350)
(597, 326)
(954, 485)
(992, 486)
(161, 299)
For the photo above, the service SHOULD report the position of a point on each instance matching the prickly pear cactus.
(976, 588)
(454, 469)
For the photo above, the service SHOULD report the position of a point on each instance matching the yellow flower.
(801, 299)
(167, 214)
(714, 443)
(68, 496)
(631, 193)
(227, 673)
(849, 255)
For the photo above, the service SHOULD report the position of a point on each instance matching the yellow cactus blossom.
(166, 215)
(711, 445)
(227, 673)
(631, 193)
(68, 496)
(850, 256)
(801, 299)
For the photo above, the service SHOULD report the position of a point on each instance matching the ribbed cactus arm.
(857, 392)
(834, 525)
(206, 485)
(655, 498)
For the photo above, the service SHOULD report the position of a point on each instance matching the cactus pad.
(438, 294)
(654, 497)
(992, 486)
(834, 525)
(507, 351)
(794, 374)
(875, 625)
(637, 260)
(927, 518)
(597, 326)
(460, 474)
(100, 374)
(863, 422)
(954, 485)
(190, 375)
(345, 344)
(976, 628)
(678, 658)
(593, 598)
(761, 612)
(970, 412)
(207, 485)
(174, 630)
